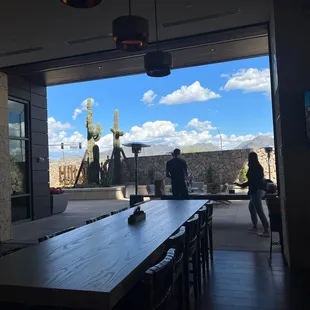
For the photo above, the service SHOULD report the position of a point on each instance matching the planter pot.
(159, 188)
(59, 203)
(151, 189)
(130, 190)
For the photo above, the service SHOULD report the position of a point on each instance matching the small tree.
(151, 176)
(209, 176)
(242, 176)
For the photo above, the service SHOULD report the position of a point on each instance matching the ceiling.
(51, 36)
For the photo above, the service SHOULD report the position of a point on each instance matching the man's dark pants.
(179, 190)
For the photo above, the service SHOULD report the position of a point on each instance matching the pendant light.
(81, 4)
(130, 33)
(159, 63)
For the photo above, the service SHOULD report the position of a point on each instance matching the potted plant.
(212, 186)
(59, 200)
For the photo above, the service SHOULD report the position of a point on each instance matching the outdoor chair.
(98, 218)
(224, 191)
(119, 211)
(58, 233)
(197, 187)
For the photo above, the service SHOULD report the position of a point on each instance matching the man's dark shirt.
(176, 169)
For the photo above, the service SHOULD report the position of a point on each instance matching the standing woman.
(255, 177)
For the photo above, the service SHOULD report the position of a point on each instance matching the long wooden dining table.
(94, 266)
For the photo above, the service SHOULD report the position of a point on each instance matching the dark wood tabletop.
(94, 266)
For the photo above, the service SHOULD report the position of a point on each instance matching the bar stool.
(202, 213)
(58, 233)
(191, 253)
(209, 236)
(154, 291)
(177, 242)
(119, 211)
(96, 219)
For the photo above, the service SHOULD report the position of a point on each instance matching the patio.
(230, 224)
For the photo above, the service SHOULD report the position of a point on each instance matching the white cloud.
(149, 97)
(83, 107)
(157, 132)
(165, 132)
(151, 131)
(54, 126)
(76, 112)
(59, 132)
(249, 80)
(17, 129)
(187, 94)
(200, 125)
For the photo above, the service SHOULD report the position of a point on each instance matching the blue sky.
(235, 96)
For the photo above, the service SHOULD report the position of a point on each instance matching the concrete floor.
(76, 214)
(230, 227)
(230, 224)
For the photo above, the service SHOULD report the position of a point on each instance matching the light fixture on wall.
(130, 33)
(81, 4)
(158, 63)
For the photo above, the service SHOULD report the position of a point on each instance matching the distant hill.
(153, 150)
(199, 147)
(257, 142)
(163, 149)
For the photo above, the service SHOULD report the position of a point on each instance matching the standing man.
(176, 170)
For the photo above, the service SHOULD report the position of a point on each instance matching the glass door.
(19, 163)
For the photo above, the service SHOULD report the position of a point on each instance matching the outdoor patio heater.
(268, 151)
(136, 148)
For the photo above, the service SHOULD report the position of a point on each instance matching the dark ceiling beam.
(240, 33)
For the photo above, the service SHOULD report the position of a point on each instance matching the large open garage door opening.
(215, 107)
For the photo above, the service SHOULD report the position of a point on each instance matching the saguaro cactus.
(117, 133)
(93, 135)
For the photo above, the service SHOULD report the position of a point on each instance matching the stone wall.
(226, 166)
(18, 177)
(64, 173)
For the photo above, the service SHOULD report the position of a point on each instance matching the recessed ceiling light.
(212, 50)
(99, 67)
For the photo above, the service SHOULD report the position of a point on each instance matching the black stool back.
(58, 233)
(98, 218)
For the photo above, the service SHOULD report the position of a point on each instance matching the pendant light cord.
(156, 25)
(129, 7)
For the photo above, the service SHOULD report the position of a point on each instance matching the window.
(19, 165)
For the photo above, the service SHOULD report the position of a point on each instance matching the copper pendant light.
(130, 33)
(81, 4)
(159, 63)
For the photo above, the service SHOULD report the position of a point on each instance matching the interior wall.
(35, 95)
(290, 50)
(5, 185)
